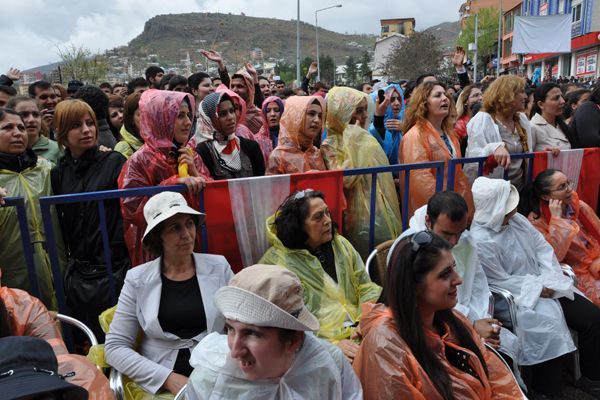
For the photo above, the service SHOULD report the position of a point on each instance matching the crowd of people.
(308, 311)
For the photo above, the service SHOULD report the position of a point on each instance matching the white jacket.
(137, 310)
(319, 372)
(484, 138)
(547, 136)
(516, 257)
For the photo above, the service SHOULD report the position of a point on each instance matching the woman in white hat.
(267, 353)
(168, 300)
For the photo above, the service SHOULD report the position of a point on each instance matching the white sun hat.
(267, 296)
(163, 206)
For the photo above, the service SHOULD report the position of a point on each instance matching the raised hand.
(213, 55)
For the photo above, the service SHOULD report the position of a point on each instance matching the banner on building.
(531, 34)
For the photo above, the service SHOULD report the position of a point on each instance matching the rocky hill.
(447, 33)
(172, 36)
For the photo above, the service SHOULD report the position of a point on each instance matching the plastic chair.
(376, 263)
(181, 394)
(115, 380)
(65, 319)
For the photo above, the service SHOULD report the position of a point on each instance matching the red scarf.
(231, 146)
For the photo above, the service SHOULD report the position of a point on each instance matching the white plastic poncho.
(319, 372)
(474, 292)
(516, 257)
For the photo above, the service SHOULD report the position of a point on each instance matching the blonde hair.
(67, 114)
(416, 113)
(463, 98)
(500, 96)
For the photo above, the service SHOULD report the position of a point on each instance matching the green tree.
(326, 65)
(365, 72)
(287, 72)
(79, 63)
(351, 71)
(487, 35)
(419, 54)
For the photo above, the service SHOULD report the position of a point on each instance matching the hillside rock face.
(235, 36)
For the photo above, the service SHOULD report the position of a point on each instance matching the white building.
(383, 48)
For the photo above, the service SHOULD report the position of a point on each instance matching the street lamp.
(317, 35)
(298, 45)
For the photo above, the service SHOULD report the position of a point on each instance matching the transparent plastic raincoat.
(155, 163)
(288, 157)
(350, 146)
(263, 137)
(575, 242)
(391, 141)
(388, 369)
(319, 372)
(422, 143)
(336, 305)
(31, 183)
(253, 115)
(516, 257)
(29, 317)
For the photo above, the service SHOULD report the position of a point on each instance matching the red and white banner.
(580, 165)
(236, 210)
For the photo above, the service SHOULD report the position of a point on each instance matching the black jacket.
(585, 126)
(80, 222)
(247, 146)
(18, 162)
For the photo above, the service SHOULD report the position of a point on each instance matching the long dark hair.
(405, 273)
(540, 94)
(531, 195)
(5, 325)
(573, 98)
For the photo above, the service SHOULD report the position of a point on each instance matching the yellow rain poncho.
(336, 305)
(131, 390)
(350, 146)
(31, 183)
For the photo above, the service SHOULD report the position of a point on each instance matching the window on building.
(507, 47)
(401, 29)
(561, 6)
(385, 29)
(576, 11)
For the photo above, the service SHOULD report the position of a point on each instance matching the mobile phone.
(381, 95)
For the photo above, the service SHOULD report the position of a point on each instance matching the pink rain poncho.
(288, 157)
(154, 164)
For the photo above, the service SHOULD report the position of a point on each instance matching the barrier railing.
(47, 202)
(19, 204)
(480, 161)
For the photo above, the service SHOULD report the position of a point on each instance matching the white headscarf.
(490, 197)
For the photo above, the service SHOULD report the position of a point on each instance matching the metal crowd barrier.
(19, 204)
(47, 202)
(480, 160)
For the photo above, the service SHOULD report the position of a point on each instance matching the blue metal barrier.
(19, 204)
(373, 171)
(48, 201)
(480, 160)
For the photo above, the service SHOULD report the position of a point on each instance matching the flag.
(580, 166)
(547, 34)
(237, 209)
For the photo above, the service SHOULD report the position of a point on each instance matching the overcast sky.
(32, 29)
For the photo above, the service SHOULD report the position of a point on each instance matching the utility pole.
(298, 45)
(499, 40)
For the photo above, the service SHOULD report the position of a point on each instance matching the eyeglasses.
(421, 239)
(567, 185)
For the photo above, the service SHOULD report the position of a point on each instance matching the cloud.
(32, 29)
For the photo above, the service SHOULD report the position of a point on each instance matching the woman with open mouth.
(266, 352)
(429, 127)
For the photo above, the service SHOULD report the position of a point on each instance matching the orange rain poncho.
(288, 157)
(422, 143)
(253, 118)
(350, 146)
(153, 164)
(29, 317)
(388, 369)
(575, 241)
